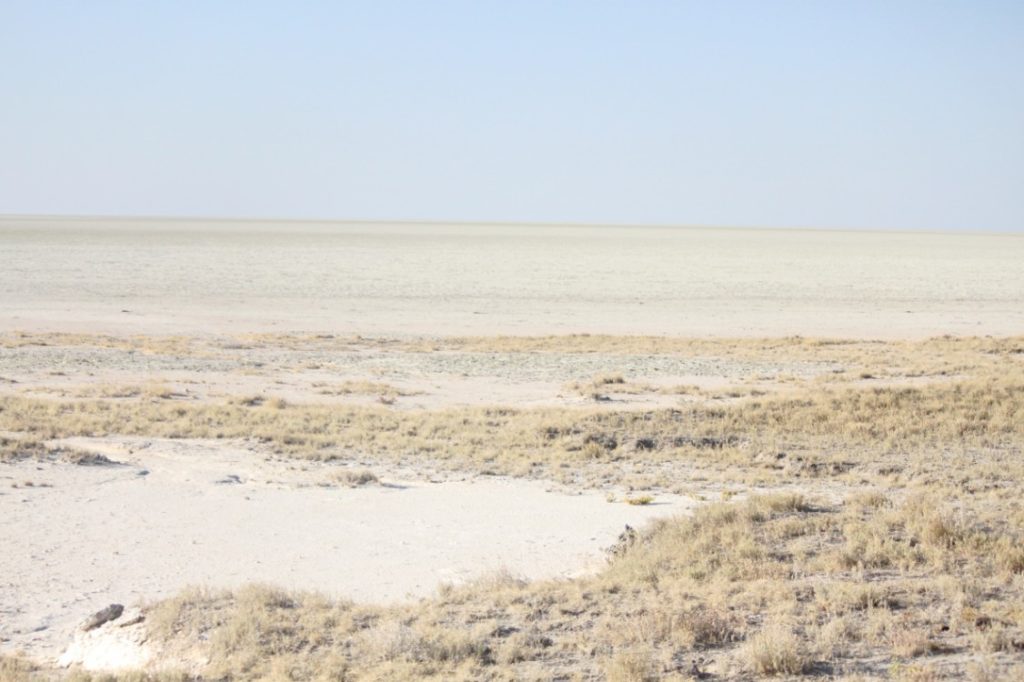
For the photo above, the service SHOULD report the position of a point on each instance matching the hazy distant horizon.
(463, 279)
(249, 221)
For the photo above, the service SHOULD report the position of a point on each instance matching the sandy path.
(84, 536)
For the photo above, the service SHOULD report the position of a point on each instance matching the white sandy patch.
(205, 512)
(172, 277)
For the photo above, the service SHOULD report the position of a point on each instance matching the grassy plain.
(876, 531)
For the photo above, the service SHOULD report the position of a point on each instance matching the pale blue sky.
(807, 114)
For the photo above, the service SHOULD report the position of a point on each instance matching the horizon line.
(184, 218)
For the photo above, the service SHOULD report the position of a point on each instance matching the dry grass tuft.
(638, 665)
(357, 479)
(13, 449)
(17, 669)
(775, 650)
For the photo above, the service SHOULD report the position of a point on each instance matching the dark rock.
(112, 612)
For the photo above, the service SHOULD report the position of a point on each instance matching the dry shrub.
(942, 530)
(496, 580)
(15, 449)
(593, 451)
(83, 458)
(1009, 555)
(111, 392)
(872, 499)
(998, 637)
(985, 670)
(779, 503)
(522, 646)
(709, 628)
(635, 665)
(356, 479)
(776, 650)
(159, 392)
(17, 669)
(393, 641)
(909, 641)
(720, 540)
(844, 597)
(873, 544)
(374, 388)
(915, 673)
(834, 638)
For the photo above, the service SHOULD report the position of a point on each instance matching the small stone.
(112, 612)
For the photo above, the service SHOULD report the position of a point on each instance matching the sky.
(883, 115)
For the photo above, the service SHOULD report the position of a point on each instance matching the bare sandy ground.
(179, 512)
(171, 277)
(174, 513)
(361, 372)
(707, 319)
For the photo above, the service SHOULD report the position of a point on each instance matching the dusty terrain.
(163, 514)
(454, 507)
(147, 276)
(386, 452)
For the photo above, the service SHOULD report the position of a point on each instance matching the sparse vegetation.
(776, 650)
(751, 589)
(17, 669)
(892, 548)
(13, 449)
(372, 388)
(356, 479)
(842, 433)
